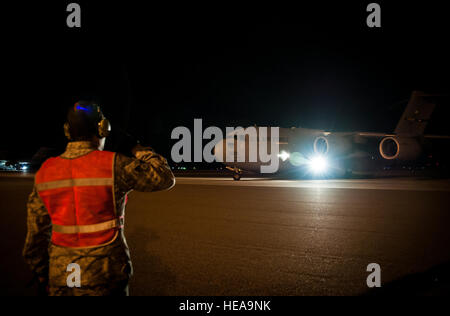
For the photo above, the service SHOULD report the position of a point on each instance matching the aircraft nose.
(219, 151)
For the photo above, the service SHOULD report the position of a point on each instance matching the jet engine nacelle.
(401, 148)
(331, 144)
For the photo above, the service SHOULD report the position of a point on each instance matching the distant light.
(284, 155)
(318, 164)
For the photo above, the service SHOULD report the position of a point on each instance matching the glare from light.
(318, 164)
(297, 159)
(284, 155)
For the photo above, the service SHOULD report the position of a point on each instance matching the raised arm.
(147, 172)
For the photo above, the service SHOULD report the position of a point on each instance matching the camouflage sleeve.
(146, 173)
(35, 251)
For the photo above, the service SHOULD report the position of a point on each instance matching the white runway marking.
(402, 184)
(364, 184)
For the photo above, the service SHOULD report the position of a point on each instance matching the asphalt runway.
(215, 236)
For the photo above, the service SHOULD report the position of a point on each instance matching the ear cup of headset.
(104, 128)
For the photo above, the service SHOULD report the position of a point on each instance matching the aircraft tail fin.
(416, 115)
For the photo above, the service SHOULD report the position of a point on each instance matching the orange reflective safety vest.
(79, 197)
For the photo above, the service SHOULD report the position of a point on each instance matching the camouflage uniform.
(104, 270)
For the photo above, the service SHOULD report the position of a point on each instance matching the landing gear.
(237, 173)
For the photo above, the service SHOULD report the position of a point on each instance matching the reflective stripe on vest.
(79, 196)
(74, 182)
(84, 229)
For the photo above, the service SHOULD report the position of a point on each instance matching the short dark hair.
(83, 121)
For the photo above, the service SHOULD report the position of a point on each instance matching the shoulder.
(49, 169)
(102, 157)
(47, 163)
(121, 160)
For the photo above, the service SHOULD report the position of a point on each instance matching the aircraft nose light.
(318, 164)
(284, 155)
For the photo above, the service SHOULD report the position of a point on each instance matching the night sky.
(159, 66)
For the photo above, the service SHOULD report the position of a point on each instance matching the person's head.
(86, 122)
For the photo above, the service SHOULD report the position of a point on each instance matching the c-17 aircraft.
(320, 154)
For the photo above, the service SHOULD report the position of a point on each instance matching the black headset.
(103, 125)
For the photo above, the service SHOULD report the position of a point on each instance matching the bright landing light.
(284, 155)
(318, 164)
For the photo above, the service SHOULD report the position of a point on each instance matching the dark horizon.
(154, 68)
